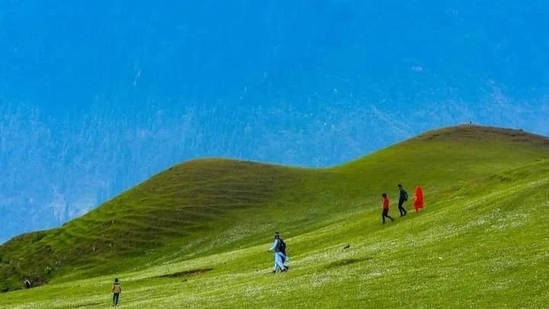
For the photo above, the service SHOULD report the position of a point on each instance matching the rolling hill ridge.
(211, 206)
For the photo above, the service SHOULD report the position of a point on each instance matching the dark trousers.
(401, 208)
(115, 297)
(385, 214)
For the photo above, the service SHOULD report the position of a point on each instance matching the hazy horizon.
(96, 97)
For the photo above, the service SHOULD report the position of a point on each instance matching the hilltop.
(206, 207)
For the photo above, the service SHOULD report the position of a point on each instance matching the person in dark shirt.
(403, 197)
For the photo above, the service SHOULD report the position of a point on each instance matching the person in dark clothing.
(385, 213)
(403, 197)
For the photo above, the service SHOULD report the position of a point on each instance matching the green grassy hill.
(196, 234)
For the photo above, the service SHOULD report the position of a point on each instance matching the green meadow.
(197, 234)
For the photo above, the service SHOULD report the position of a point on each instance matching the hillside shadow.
(344, 262)
(186, 273)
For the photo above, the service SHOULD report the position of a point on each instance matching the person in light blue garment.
(279, 248)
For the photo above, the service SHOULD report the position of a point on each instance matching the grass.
(196, 235)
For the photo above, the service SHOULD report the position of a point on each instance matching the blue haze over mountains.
(97, 96)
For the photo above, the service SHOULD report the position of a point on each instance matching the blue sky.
(97, 96)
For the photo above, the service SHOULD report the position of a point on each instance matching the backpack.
(116, 288)
(281, 246)
(405, 195)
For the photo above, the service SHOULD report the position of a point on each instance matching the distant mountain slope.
(98, 96)
(179, 212)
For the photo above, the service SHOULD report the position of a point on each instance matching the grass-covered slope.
(189, 203)
(484, 192)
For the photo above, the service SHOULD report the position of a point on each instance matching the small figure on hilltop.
(279, 248)
(27, 283)
(116, 290)
(403, 197)
(419, 201)
(385, 213)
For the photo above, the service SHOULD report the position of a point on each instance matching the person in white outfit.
(279, 248)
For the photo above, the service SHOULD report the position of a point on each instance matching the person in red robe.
(385, 213)
(419, 202)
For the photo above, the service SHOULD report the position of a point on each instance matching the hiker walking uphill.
(419, 201)
(279, 248)
(403, 197)
(116, 290)
(27, 283)
(385, 213)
